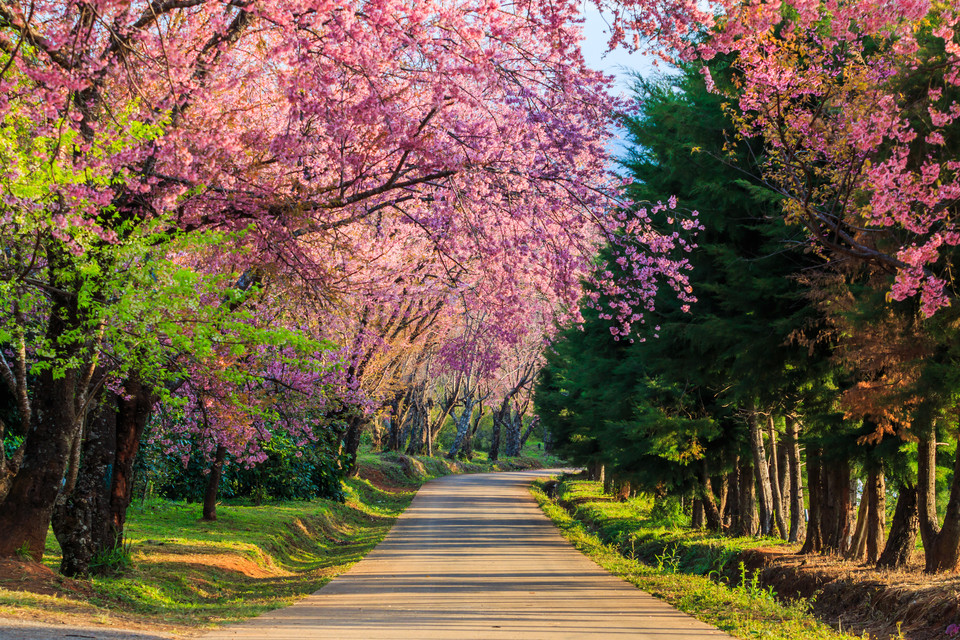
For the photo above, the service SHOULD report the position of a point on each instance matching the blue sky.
(618, 62)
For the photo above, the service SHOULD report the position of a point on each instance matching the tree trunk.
(761, 474)
(777, 498)
(858, 543)
(813, 542)
(495, 436)
(135, 410)
(798, 523)
(463, 425)
(941, 546)
(696, 521)
(783, 480)
(472, 433)
(835, 509)
(749, 523)
(903, 531)
(711, 514)
(526, 433)
(213, 484)
(609, 481)
(352, 445)
(26, 511)
(81, 520)
(731, 512)
(514, 425)
(722, 497)
(876, 514)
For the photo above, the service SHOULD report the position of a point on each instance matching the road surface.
(473, 557)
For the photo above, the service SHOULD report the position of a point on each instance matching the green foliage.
(290, 472)
(111, 562)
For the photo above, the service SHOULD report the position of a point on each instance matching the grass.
(186, 573)
(686, 569)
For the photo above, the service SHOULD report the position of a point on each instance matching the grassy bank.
(693, 571)
(185, 573)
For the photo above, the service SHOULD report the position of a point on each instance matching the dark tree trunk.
(836, 506)
(351, 445)
(81, 520)
(711, 514)
(595, 471)
(495, 437)
(813, 542)
(731, 512)
(26, 511)
(213, 484)
(697, 521)
(798, 523)
(135, 411)
(749, 523)
(903, 531)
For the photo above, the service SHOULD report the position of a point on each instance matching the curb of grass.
(744, 611)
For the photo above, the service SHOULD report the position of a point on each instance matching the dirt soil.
(859, 598)
(16, 575)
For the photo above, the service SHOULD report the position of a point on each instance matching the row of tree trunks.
(867, 541)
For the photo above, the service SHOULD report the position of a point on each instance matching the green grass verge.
(745, 611)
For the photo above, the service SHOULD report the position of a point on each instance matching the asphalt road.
(474, 558)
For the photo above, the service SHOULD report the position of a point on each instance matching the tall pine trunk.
(876, 514)
(836, 506)
(903, 531)
(813, 542)
(761, 474)
(748, 523)
(777, 498)
(798, 522)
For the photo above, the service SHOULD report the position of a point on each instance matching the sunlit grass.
(626, 540)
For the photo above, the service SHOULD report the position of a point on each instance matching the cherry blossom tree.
(349, 150)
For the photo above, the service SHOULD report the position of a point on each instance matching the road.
(473, 557)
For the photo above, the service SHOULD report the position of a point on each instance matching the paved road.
(11, 629)
(474, 558)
